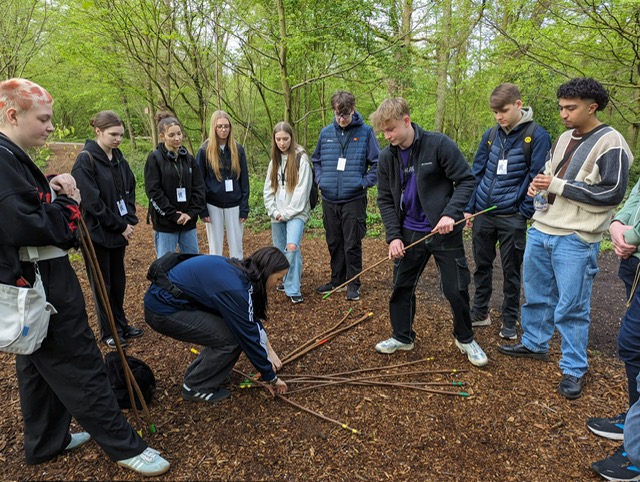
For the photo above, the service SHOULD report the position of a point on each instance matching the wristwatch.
(273, 382)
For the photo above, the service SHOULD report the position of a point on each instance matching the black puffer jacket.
(166, 172)
(103, 183)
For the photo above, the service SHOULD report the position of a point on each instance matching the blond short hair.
(390, 109)
(21, 95)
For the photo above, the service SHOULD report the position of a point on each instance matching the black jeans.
(111, 263)
(212, 367)
(448, 252)
(345, 225)
(511, 233)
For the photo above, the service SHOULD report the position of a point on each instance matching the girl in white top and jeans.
(286, 197)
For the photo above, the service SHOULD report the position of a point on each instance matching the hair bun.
(165, 114)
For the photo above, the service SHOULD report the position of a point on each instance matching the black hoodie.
(103, 184)
(164, 173)
(29, 217)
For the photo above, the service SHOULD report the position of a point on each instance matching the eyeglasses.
(224, 127)
(342, 115)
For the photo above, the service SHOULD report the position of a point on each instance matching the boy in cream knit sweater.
(586, 177)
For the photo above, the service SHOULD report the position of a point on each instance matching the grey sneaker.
(353, 293)
(324, 289)
(78, 440)
(477, 320)
(391, 345)
(508, 333)
(474, 353)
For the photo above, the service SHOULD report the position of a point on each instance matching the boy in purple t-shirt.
(424, 184)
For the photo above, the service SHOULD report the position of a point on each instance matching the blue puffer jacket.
(508, 191)
(358, 144)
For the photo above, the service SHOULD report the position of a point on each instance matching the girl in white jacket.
(286, 197)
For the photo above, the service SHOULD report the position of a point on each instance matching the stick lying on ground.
(405, 249)
(313, 340)
(324, 340)
(297, 405)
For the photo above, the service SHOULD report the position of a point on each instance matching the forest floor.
(514, 426)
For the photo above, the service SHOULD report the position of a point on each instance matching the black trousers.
(65, 378)
(212, 367)
(511, 233)
(111, 262)
(345, 225)
(448, 252)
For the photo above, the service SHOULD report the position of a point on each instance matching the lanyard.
(343, 147)
(178, 167)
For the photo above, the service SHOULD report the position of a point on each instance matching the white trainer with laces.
(147, 463)
(391, 345)
(474, 353)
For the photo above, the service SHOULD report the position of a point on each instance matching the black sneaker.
(296, 299)
(571, 387)
(324, 289)
(111, 343)
(617, 467)
(280, 288)
(210, 397)
(133, 332)
(353, 293)
(611, 428)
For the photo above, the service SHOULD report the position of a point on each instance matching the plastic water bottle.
(541, 201)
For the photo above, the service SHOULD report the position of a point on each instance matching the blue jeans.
(558, 277)
(284, 233)
(629, 335)
(187, 242)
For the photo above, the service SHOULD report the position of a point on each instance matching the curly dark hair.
(584, 88)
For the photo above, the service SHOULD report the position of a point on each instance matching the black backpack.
(527, 138)
(141, 372)
(313, 194)
(158, 270)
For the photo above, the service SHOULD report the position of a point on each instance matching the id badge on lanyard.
(122, 207)
(181, 194)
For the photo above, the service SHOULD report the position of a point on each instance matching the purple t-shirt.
(414, 216)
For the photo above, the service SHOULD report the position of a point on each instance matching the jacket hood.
(527, 116)
(356, 121)
(182, 151)
(99, 155)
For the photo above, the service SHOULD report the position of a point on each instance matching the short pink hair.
(22, 95)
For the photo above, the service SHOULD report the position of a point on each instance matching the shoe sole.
(481, 323)
(389, 352)
(533, 354)
(505, 337)
(353, 299)
(609, 435)
(295, 302)
(159, 471)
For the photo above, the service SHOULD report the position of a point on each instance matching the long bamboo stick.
(315, 338)
(327, 338)
(433, 233)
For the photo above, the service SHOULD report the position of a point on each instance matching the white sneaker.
(77, 440)
(474, 353)
(391, 345)
(148, 463)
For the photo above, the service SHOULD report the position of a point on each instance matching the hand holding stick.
(421, 240)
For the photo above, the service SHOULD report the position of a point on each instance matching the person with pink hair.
(65, 377)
